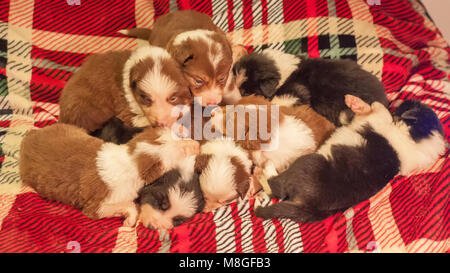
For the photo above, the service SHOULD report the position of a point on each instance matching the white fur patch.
(342, 136)
(140, 54)
(413, 156)
(205, 36)
(286, 63)
(217, 178)
(198, 34)
(117, 169)
(155, 82)
(167, 152)
(181, 203)
(292, 140)
(284, 100)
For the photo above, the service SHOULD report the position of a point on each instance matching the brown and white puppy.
(139, 87)
(197, 44)
(290, 131)
(63, 163)
(225, 172)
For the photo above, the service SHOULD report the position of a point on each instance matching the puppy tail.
(296, 212)
(140, 33)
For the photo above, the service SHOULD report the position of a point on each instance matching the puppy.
(288, 133)
(63, 163)
(198, 45)
(357, 161)
(139, 87)
(224, 172)
(173, 198)
(320, 83)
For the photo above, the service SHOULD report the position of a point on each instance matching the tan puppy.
(290, 131)
(141, 88)
(197, 44)
(63, 163)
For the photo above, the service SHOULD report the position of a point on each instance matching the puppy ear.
(182, 54)
(269, 87)
(133, 78)
(410, 114)
(241, 177)
(242, 187)
(201, 161)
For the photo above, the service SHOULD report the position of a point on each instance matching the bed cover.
(42, 42)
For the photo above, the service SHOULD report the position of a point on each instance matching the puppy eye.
(222, 78)
(173, 99)
(146, 100)
(198, 82)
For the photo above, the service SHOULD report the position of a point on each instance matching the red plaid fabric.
(42, 42)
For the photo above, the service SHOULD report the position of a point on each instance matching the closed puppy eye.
(222, 78)
(145, 99)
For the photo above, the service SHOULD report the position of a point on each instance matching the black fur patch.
(262, 75)
(156, 194)
(321, 83)
(314, 187)
(115, 131)
(421, 119)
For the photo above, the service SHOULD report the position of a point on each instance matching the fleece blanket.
(42, 42)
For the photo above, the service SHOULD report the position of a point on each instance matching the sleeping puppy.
(173, 198)
(224, 170)
(198, 45)
(63, 163)
(276, 135)
(139, 87)
(357, 161)
(320, 83)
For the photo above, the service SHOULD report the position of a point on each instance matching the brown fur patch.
(94, 93)
(59, 162)
(149, 168)
(241, 177)
(248, 143)
(168, 26)
(201, 162)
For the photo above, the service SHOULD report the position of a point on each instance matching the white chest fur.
(117, 169)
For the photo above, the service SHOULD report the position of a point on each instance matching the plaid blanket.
(42, 42)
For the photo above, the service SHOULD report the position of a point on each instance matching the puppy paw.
(357, 105)
(154, 219)
(131, 216)
(188, 147)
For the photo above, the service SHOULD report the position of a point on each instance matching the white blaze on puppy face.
(206, 58)
(153, 85)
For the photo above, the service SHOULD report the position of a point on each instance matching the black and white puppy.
(321, 83)
(357, 161)
(172, 199)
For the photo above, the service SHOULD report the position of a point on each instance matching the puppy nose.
(163, 124)
(211, 102)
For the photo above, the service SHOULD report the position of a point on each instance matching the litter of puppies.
(316, 134)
